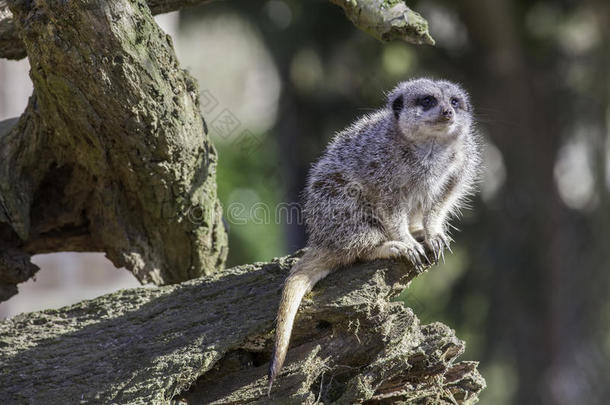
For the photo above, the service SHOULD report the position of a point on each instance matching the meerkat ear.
(397, 105)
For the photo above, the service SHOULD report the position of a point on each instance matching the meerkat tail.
(313, 267)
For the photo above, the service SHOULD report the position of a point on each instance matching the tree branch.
(350, 345)
(385, 20)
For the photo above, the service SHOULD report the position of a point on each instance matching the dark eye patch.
(455, 102)
(427, 102)
(397, 106)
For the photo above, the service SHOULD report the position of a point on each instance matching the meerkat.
(389, 177)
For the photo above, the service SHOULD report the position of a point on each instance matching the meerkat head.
(425, 108)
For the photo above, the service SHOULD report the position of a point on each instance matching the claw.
(435, 248)
(411, 258)
(422, 253)
(418, 259)
(414, 254)
(437, 245)
(415, 259)
(428, 262)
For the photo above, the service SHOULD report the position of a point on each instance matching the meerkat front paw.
(437, 243)
(414, 252)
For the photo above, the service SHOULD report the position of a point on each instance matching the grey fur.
(399, 172)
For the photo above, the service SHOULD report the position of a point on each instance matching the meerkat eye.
(455, 102)
(427, 102)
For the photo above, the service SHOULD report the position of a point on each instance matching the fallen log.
(209, 341)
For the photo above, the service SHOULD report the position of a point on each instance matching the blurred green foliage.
(245, 179)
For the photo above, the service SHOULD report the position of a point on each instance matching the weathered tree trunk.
(350, 345)
(111, 153)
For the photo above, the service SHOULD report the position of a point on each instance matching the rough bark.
(385, 20)
(350, 345)
(111, 153)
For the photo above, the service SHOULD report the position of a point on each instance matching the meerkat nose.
(447, 113)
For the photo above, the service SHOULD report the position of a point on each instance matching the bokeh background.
(528, 285)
